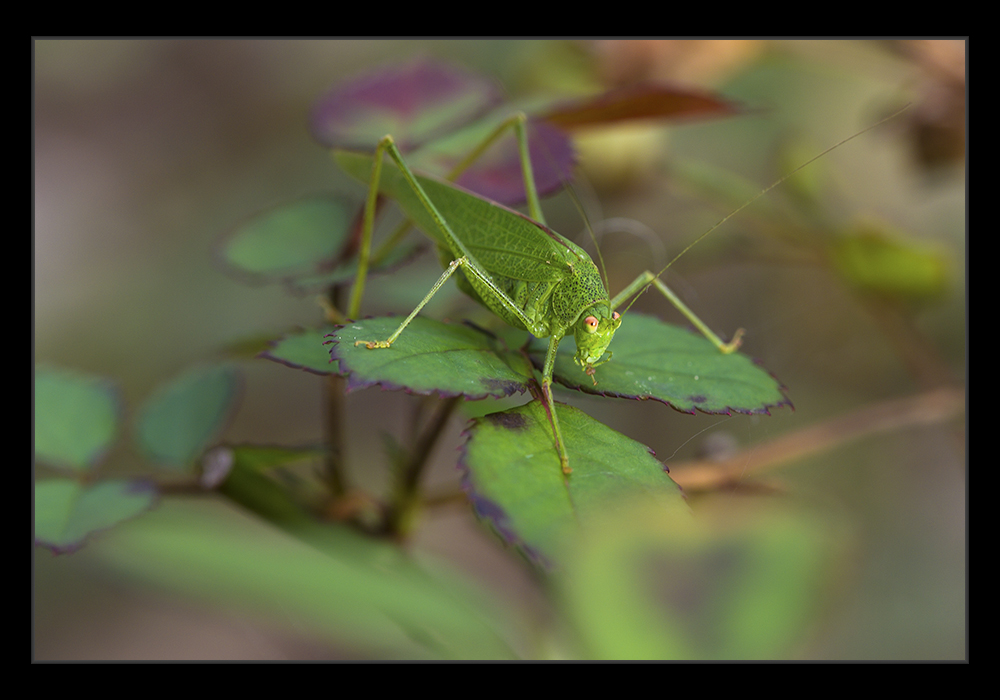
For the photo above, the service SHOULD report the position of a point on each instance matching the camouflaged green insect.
(529, 275)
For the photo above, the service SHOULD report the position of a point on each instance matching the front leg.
(647, 278)
(377, 344)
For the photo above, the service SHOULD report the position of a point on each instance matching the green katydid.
(530, 276)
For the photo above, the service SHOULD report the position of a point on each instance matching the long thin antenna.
(770, 187)
(568, 188)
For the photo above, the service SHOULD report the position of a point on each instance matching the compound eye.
(591, 322)
(615, 315)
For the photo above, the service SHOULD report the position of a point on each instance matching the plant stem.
(334, 419)
(334, 427)
(399, 518)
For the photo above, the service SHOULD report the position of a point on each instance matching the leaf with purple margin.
(429, 357)
(303, 350)
(514, 479)
(655, 360)
(67, 512)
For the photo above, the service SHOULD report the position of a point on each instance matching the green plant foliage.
(655, 360)
(346, 271)
(599, 518)
(649, 583)
(261, 457)
(66, 511)
(515, 483)
(303, 350)
(449, 359)
(884, 263)
(295, 238)
(333, 582)
(181, 419)
(76, 417)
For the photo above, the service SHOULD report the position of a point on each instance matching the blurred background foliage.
(147, 151)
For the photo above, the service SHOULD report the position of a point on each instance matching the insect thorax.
(553, 307)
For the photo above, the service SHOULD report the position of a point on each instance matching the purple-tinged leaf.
(496, 174)
(499, 177)
(416, 103)
(642, 101)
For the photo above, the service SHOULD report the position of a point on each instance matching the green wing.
(503, 241)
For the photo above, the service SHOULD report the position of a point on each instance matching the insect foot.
(373, 344)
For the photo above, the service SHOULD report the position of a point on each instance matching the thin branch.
(929, 408)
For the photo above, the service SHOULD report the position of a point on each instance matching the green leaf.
(429, 357)
(294, 239)
(76, 417)
(346, 271)
(360, 593)
(66, 512)
(655, 360)
(304, 350)
(878, 261)
(182, 418)
(516, 483)
(732, 583)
